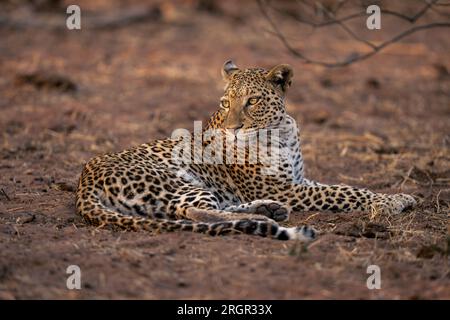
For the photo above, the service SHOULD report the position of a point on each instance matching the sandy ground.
(66, 96)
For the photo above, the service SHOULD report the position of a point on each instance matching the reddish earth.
(66, 96)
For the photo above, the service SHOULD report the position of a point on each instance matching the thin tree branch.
(353, 59)
(348, 30)
(362, 13)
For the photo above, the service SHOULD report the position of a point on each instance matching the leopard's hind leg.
(205, 221)
(205, 208)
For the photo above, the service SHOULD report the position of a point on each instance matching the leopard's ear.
(228, 69)
(281, 76)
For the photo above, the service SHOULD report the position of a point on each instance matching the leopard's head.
(254, 98)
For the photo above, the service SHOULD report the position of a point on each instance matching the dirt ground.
(66, 96)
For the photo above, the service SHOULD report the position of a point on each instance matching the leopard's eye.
(253, 101)
(224, 103)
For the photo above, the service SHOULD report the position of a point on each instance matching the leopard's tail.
(98, 214)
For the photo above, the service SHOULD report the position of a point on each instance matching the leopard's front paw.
(273, 210)
(266, 208)
(407, 201)
(394, 204)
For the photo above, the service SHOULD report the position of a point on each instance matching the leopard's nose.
(233, 123)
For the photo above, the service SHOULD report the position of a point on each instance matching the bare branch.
(362, 13)
(359, 57)
(348, 30)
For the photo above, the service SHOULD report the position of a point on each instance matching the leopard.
(148, 188)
